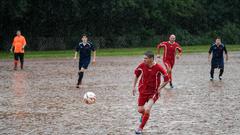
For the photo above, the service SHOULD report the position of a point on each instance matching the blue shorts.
(83, 63)
(217, 63)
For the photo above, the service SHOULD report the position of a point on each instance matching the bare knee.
(147, 111)
(141, 110)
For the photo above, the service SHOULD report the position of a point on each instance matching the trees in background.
(50, 25)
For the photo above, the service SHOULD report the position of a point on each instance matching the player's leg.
(21, 55)
(221, 67)
(212, 72)
(80, 76)
(15, 61)
(169, 71)
(146, 113)
(221, 73)
(141, 102)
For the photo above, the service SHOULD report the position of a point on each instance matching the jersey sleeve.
(178, 47)
(13, 43)
(92, 47)
(77, 48)
(210, 49)
(138, 70)
(164, 73)
(24, 41)
(161, 45)
(225, 49)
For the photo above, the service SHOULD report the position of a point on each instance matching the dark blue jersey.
(217, 51)
(217, 55)
(85, 50)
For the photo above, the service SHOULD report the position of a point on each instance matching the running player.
(84, 48)
(217, 57)
(18, 45)
(170, 48)
(149, 86)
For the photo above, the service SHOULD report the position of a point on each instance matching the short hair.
(84, 35)
(149, 54)
(218, 38)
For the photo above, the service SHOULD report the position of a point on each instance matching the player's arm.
(179, 49)
(166, 79)
(75, 55)
(77, 48)
(137, 73)
(158, 50)
(11, 49)
(209, 53)
(94, 56)
(226, 53)
(94, 53)
(134, 85)
(24, 43)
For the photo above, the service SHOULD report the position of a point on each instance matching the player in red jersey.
(169, 54)
(149, 86)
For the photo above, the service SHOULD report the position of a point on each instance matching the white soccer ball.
(89, 98)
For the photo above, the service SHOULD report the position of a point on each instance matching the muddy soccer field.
(42, 99)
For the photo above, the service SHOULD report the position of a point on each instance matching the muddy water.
(42, 99)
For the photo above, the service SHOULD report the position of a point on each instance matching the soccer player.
(149, 86)
(217, 57)
(18, 45)
(84, 48)
(169, 54)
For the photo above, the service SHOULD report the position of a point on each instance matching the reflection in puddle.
(19, 87)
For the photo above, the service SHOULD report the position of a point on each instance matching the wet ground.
(42, 99)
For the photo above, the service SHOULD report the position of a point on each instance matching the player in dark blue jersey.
(84, 48)
(217, 57)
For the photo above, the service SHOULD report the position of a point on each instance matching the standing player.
(217, 57)
(170, 48)
(18, 45)
(84, 48)
(149, 86)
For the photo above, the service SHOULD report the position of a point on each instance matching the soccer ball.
(89, 98)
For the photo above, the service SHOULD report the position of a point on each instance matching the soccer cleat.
(211, 79)
(77, 86)
(220, 78)
(138, 131)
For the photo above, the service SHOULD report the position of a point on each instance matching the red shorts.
(142, 99)
(168, 63)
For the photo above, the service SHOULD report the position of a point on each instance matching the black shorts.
(83, 63)
(18, 56)
(217, 63)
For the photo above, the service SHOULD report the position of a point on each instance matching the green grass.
(112, 52)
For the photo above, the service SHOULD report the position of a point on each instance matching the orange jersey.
(18, 43)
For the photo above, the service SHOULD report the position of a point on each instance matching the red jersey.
(150, 78)
(170, 50)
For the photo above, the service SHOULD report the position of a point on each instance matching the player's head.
(18, 32)
(84, 38)
(172, 38)
(148, 57)
(218, 41)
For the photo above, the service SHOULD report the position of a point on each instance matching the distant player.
(169, 54)
(217, 57)
(149, 86)
(84, 48)
(18, 45)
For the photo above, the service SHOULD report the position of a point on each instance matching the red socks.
(144, 120)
